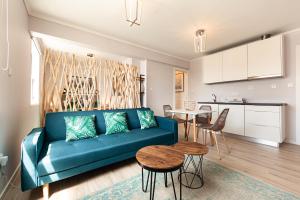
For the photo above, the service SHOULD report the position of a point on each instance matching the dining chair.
(218, 126)
(167, 114)
(202, 120)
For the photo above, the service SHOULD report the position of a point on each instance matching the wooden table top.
(160, 158)
(191, 148)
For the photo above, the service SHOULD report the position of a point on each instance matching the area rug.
(221, 183)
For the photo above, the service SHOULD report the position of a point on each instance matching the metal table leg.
(196, 174)
(145, 189)
(152, 176)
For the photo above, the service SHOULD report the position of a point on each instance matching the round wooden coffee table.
(192, 150)
(159, 159)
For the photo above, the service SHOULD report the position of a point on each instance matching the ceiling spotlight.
(200, 41)
(133, 10)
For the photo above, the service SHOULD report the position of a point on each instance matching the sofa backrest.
(56, 128)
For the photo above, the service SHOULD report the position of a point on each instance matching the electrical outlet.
(3, 161)
(273, 86)
(290, 85)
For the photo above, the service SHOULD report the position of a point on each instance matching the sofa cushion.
(115, 122)
(61, 155)
(146, 118)
(56, 129)
(80, 127)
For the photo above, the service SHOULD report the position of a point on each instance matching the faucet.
(214, 97)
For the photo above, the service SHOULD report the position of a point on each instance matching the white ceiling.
(169, 25)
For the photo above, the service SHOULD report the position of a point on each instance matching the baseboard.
(291, 141)
(254, 140)
(9, 181)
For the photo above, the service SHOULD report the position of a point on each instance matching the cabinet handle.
(260, 111)
(264, 76)
(259, 125)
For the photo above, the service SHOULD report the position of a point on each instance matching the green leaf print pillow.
(115, 122)
(80, 127)
(146, 118)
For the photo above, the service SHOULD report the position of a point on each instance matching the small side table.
(192, 150)
(159, 159)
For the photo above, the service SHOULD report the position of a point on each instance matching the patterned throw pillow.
(146, 118)
(80, 127)
(115, 122)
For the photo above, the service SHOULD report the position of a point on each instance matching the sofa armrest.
(31, 147)
(168, 124)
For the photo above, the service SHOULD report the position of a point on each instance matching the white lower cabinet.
(235, 120)
(265, 122)
(263, 132)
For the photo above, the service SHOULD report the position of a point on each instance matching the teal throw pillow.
(115, 122)
(80, 127)
(146, 118)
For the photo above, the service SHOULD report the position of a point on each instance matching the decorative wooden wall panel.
(74, 83)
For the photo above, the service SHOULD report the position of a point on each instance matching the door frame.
(297, 95)
(186, 84)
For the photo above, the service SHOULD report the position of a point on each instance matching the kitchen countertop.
(241, 103)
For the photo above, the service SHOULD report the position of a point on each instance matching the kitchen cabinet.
(260, 59)
(235, 64)
(212, 68)
(235, 121)
(265, 58)
(265, 122)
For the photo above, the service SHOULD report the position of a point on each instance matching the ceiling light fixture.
(133, 10)
(200, 41)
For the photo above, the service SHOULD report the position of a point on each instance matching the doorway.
(180, 88)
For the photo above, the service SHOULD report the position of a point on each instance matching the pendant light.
(133, 9)
(200, 41)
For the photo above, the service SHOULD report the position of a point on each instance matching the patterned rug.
(220, 183)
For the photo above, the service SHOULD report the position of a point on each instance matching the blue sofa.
(46, 157)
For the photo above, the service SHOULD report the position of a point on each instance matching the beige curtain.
(74, 83)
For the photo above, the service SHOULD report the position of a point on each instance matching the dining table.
(189, 113)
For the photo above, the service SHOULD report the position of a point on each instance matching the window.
(35, 74)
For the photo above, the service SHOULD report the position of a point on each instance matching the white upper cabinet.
(265, 58)
(212, 68)
(260, 59)
(235, 64)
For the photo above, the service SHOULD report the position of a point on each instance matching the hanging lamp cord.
(6, 67)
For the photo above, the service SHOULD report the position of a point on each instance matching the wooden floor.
(279, 167)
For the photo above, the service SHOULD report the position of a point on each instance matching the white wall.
(100, 43)
(256, 90)
(160, 86)
(17, 117)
